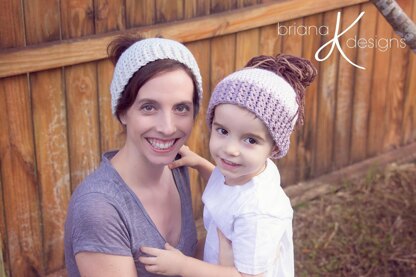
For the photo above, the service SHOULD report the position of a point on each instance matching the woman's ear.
(122, 118)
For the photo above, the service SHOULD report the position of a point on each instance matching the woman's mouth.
(162, 145)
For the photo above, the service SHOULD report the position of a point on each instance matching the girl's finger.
(150, 250)
(151, 268)
(169, 247)
(148, 260)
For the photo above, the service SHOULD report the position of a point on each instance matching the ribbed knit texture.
(145, 51)
(265, 94)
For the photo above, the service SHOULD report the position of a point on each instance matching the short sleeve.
(98, 226)
(256, 242)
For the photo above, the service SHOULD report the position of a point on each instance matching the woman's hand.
(164, 262)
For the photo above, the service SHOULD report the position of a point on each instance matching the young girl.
(252, 114)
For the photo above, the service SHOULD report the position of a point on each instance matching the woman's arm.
(191, 159)
(102, 265)
(172, 262)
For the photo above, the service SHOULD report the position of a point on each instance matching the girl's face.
(161, 118)
(240, 143)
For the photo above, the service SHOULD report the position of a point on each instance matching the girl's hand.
(226, 256)
(164, 262)
(191, 159)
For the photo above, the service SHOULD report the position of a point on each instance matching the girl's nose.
(231, 148)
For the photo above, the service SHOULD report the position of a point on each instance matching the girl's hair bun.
(298, 72)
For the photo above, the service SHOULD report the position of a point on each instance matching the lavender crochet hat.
(145, 51)
(264, 93)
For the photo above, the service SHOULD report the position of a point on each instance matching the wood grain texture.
(169, 10)
(218, 6)
(50, 129)
(345, 89)
(362, 86)
(326, 102)
(93, 47)
(42, 25)
(222, 58)
(306, 151)
(199, 139)
(291, 44)
(247, 46)
(378, 91)
(109, 16)
(196, 8)
(409, 112)
(82, 105)
(140, 13)
(395, 88)
(77, 18)
(20, 186)
(12, 24)
(270, 42)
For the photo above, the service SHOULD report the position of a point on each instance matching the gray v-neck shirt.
(106, 216)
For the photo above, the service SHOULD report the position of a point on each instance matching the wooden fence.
(55, 117)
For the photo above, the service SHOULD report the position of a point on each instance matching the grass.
(367, 228)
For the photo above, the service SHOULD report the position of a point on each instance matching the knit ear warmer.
(145, 51)
(265, 94)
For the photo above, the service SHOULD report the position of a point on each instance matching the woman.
(133, 198)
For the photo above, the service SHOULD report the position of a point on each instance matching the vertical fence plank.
(345, 86)
(362, 85)
(378, 91)
(199, 139)
(196, 8)
(395, 87)
(326, 101)
(306, 151)
(140, 13)
(49, 117)
(270, 41)
(246, 3)
(291, 44)
(218, 6)
(12, 35)
(111, 131)
(409, 112)
(42, 25)
(169, 10)
(109, 16)
(20, 191)
(12, 26)
(247, 46)
(81, 95)
(222, 58)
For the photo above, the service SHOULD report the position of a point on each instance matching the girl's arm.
(191, 159)
(172, 262)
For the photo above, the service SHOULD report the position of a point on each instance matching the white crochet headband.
(145, 51)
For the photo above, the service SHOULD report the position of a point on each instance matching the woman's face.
(161, 118)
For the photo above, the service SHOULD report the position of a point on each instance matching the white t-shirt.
(256, 217)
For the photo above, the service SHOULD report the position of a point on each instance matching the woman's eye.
(183, 108)
(251, 140)
(222, 131)
(147, 108)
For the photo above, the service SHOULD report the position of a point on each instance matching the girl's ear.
(275, 151)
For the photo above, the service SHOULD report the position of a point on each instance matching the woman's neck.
(135, 170)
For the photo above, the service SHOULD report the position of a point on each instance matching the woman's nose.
(166, 124)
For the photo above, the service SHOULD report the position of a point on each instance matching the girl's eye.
(182, 108)
(251, 140)
(222, 131)
(147, 108)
